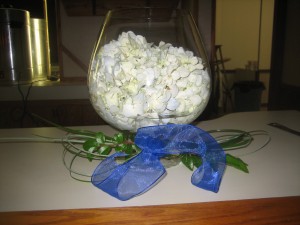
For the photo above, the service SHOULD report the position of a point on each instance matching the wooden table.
(35, 187)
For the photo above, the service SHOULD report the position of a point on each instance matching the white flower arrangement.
(134, 83)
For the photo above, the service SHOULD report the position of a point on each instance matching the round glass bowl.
(149, 67)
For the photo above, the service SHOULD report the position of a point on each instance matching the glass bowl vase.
(149, 67)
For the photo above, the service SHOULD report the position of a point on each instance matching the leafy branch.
(97, 146)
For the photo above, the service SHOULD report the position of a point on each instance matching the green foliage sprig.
(97, 146)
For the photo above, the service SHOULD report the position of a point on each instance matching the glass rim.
(142, 14)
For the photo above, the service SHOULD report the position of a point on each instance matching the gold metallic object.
(40, 49)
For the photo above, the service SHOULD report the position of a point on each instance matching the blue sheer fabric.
(139, 174)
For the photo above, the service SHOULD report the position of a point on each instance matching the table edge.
(279, 210)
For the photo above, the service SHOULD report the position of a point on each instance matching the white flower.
(172, 104)
(146, 77)
(126, 66)
(133, 82)
(112, 97)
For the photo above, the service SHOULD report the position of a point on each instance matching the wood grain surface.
(285, 211)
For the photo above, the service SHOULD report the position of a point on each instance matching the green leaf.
(238, 141)
(105, 150)
(100, 137)
(236, 163)
(191, 161)
(120, 148)
(90, 145)
(90, 157)
(135, 148)
(194, 161)
(128, 149)
(119, 138)
(186, 160)
(197, 161)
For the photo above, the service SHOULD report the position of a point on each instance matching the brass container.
(40, 49)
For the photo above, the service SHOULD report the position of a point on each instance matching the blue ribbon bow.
(139, 174)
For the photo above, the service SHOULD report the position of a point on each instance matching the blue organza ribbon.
(139, 174)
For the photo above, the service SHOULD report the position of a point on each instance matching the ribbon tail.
(209, 175)
(178, 139)
(125, 181)
(207, 178)
(102, 175)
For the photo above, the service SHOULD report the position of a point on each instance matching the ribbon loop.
(124, 181)
(139, 174)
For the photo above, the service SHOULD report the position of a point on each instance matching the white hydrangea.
(134, 83)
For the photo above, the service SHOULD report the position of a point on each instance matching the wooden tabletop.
(283, 211)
